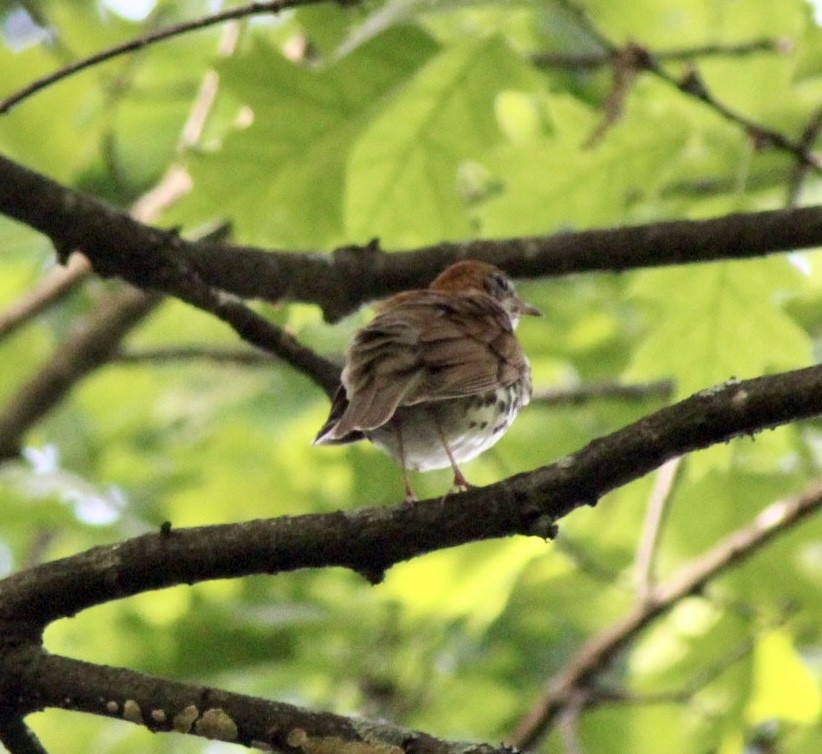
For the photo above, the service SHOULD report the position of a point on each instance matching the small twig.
(662, 389)
(83, 351)
(800, 170)
(58, 284)
(682, 695)
(569, 720)
(626, 65)
(644, 576)
(693, 86)
(174, 184)
(599, 59)
(160, 35)
(246, 357)
(597, 653)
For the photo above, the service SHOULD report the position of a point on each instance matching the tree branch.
(17, 737)
(60, 282)
(149, 257)
(207, 353)
(645, 560)
(659, 390)
(370, 540)
(692, 86)
(140, 43)
(682, 695)
(598, 652)
(809, 136)
(83, 351)
(576, 61)
(163, 705)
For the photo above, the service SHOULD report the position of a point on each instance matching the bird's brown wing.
(339, 405)
(426, 347)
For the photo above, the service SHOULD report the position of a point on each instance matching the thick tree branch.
(149, 257)
(354, 275)
(32, 679)
(597, 653)
(370, 540)
(17, 737)
(163, 705)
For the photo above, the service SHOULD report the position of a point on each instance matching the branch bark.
(149, 257)
(370, 540)
(163, 705)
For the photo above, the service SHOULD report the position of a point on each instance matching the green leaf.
(402, 178)
(557, 182)
(784, 688)
(280, 180)
(718, 321)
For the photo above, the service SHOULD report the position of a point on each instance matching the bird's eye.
(501, 282)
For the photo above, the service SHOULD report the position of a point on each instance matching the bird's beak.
(528, 310)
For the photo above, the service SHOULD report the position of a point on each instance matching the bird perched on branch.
(438, 375)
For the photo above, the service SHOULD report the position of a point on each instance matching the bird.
(438, 375)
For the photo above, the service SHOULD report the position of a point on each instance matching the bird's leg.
(460, 482)
(410, 497)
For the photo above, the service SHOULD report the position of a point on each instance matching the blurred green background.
(417, 122)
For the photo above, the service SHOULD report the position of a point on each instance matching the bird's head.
(472, 275)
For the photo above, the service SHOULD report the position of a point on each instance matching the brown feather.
(427, 347)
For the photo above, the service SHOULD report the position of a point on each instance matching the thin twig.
(160, 35)
(569, 721)
(58, 284)
(659, 390)
(682, 695)
(575, 61)
(597, 653)
(87, 348)
(574, 396)
(800, 170)
(693, 86)
(245, 357)
(644, 562)
(174, 184)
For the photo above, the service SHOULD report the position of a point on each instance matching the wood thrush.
(438, 375)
